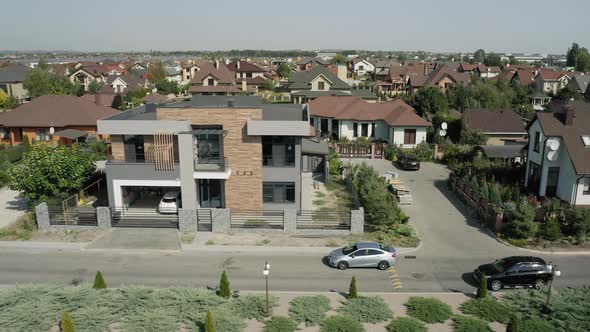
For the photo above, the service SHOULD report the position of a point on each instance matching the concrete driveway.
(142, 239)
(11, 207)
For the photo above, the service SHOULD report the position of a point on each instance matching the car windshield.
(501, 265)
(411, 158)
(349, 249)
(385, 248)
(169, 200)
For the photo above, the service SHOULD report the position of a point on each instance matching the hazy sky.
(545, 26)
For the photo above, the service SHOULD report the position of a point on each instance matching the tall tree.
(41, 81)
(339, 59)
(572, 55)
(578, 57)
(283, 70)
(479, 55)
(430, 100)
(493, 60)
(156, 72)
(94, 87)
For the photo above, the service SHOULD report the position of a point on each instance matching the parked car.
(363, 254)
(170, 202)
(515, 271)
(408, 162)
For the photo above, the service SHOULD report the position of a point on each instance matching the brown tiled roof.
(526, 76)
(553, 125)
(222, 74)
(252, 80)
(468, 66)
(552, 75)
(443, 71)
(219, 88)
(245, 67)
(493, 121)
(394, 113)
(56, 111)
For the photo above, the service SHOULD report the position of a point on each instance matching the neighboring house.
(579, 83)
(217, 151)
(173, 75)
(502, 127)
(525, 77)
(84, 75)
(394, 122)
(508, 154)
(120, 84)
(307, 64)
(559, 153)
(320, 81)
(217, 79)
(245, 69)
(382, 69)
(362, 67)
(442, 77)
(190, 68)
(551, 82)
(484, 71)
(11, 81)
(43, 118)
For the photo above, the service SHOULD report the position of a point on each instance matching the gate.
(329, 220)
(142, 217)
(257, 219)
(204, 220)
(78, 216)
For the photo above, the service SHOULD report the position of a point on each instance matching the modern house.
(394, 122)
(559, 153)
(217, 151)
(11, 81)
(502, 127)
(46, 117)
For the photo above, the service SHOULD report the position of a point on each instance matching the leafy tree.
(568, 93)
(156, 72)
(269, 85)
(401, 57)
(66, 323)
(495, 196)
(94, 87)
(8, 102)
(283, 70)
(472, 137)
(352, 291)
(482, 289)
(41, 81)
(224, 286)
(209, 323)
(430, 101)
(479, 55)
(339, 59)
(492, 60)
(52, 170)
(166, 87)
(578, 57)
(99, 282)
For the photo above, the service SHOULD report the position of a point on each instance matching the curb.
(545, 252)
(35, 245)
(275, 249)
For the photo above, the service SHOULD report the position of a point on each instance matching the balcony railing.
(211, 164)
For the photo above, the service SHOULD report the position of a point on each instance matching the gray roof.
(205, 101)
(302, 80)
(582, 81)
(283, 112)
(363, 93)
(315, 94)
(502, 151)
(314, 146)
(143, 112)
(314, 61)
(171, 71)
(13, 74)
(71, 133)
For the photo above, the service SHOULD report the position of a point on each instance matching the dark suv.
(409, 161)
(515, 271)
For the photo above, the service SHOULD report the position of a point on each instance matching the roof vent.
(231, 103)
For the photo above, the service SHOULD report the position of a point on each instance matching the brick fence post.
(103, 217)
(187, 220)
(220, 220)
(290, 221)
(42, 213)
(357, 221)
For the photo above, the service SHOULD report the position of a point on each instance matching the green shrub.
(209, 324)
(310, 310)
(366, 309)
(13, 153)
(488, 309)
(519, 229)
(536, 325)
(470, 324)
(352, 291)
(224, 286)
(226, 321)
(551, 231)
(253, 306)
(406, 324)
(362, 140)
(340, 324)
(99, 282)
(482, 289)
(66, 323)
(280, 324)
(428, 310)
(334, 163)
(423, 152)
(514, 324)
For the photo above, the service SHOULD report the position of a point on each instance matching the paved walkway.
(11, 207)
(138, 239)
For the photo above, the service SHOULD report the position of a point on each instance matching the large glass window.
(278, 151)
(537, 141)
(278, 192)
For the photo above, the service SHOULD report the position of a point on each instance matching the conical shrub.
(209, 324)
(66, 323)
(224, 286)
(482, 290)
(352, 291)
(99, 282)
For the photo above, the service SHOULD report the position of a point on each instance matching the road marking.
(395, 281)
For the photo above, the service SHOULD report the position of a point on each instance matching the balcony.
(211, 164)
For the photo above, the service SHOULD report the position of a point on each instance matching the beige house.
(11, 81)
(551, 82)
(502, 127)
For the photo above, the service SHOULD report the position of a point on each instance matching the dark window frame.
(408, 133)
(537, 142)
(355, 129)
(288, 142)
(321, 86)
(288, 192)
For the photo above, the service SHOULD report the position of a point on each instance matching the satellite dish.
(443, 125)
(552, 155)
(442, 132)
(553, 144)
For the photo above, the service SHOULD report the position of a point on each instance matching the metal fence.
(81, 216)
(204, 220)
(331, 220)
(257, 219)
(142, 217)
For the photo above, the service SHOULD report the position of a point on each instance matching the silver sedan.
(363, 254)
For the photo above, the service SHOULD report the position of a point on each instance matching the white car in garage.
(170, 202)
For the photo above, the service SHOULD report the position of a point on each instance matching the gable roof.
(13, 73)
(552, 124)
(581, 82)
(493, 121)
(56, 111)
(222, 74)
(302, 80)
(441, 72)
(245, 67)
(314, 61)
(394, 113)
(552, 75)
(525, 76)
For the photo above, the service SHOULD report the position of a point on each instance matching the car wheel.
(496, 285)
(383, 265)
(539, 283)
(343, 265)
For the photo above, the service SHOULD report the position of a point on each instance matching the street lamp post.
(554, 273)
(266, 272)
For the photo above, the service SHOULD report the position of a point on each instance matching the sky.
(529, 26)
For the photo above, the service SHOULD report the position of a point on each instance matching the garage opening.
(148, 206)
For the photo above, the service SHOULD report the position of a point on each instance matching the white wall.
(314, 83)
(398, 136)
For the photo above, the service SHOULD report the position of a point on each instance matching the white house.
(559, 153)
(394, 122)
(362, 67)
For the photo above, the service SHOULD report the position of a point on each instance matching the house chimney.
(97, 99)
(570, 114)
(244, 85)
(216, 64)
(342, 71)
(238, 64)
(231, 103)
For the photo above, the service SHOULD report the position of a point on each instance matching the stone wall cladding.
(243, 189)
(187, 220)
(117, 148)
